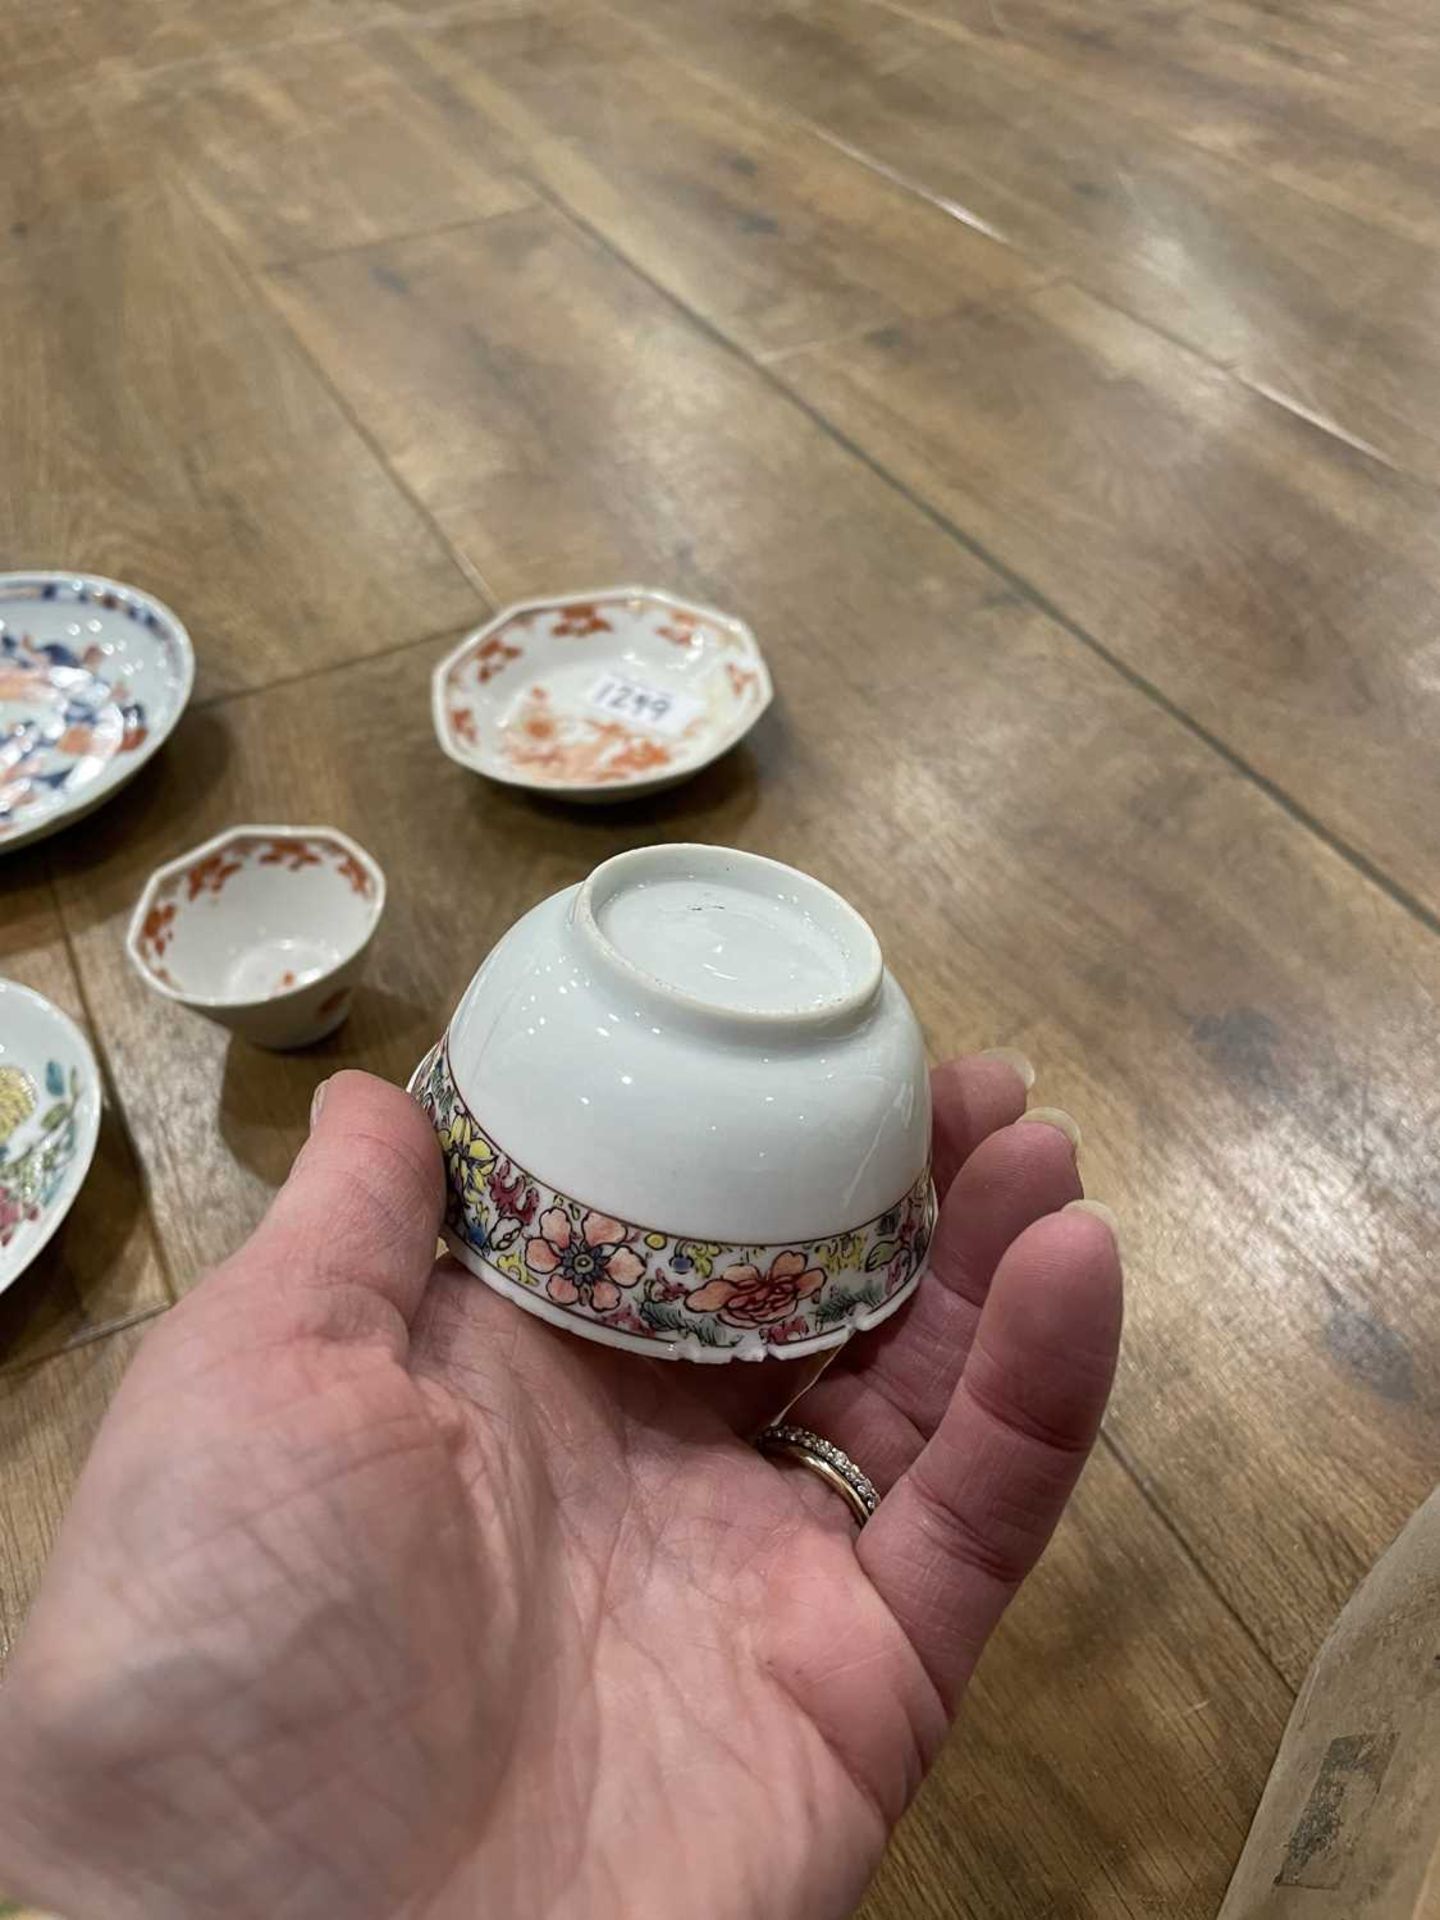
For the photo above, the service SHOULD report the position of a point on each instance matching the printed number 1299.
(652, 707)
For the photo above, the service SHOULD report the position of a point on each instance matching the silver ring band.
(824, 1459)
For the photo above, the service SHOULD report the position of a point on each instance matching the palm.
(469, 1616)
(683, 1609)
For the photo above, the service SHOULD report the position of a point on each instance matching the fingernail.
(1101, 1212)
(1058, 1118)
(317, 1101)
(1012, 1057)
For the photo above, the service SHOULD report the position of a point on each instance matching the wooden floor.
(1055, 385)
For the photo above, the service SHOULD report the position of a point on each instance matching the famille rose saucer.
(601, 695)
(93, 676)
(49, 1122)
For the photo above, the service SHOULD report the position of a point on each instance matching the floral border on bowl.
(644, 1285)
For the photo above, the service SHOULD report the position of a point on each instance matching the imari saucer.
(601, 695)
(49, 1122)
(263, 929)
(93, 677)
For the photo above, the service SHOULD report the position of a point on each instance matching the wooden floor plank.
(1366, 46)
(1395, 46)
(165, 429)
(103, 1266)
(1268, 579)
(98, 46)
(315, 146)
(48, 43)
(1109, 1752)
(1218, 77)
(1309, 300)
(66, 153)
(48, 1417)
(754, 222)
(1042, 24)
(813, 54)
(1247, 1024)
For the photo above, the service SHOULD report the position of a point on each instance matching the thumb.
(362, 1205)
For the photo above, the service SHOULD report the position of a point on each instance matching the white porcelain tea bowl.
(49, 1122)
(599, 696)
(684, 1111)
(264, 929)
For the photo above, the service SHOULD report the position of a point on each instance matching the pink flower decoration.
(745, 1297)
(591, 1267)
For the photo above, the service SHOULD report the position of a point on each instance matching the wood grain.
(1266, 577)
(1049, 24)
(1225, 80)
(103, 1266)
(48, 1417)
(1333, 39)
(1337, 38)
(314, 146)
(68, 153)
(808, 55)
(57, 43)
(1107, 1756)
(756, 223)
(1309, 300)
(164, 429)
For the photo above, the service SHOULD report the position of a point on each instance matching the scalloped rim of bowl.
(578, 1319)
(662, 1349)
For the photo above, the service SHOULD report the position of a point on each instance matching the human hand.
(379, 1597)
